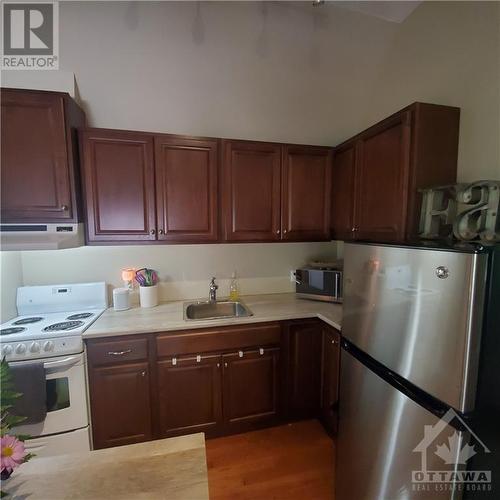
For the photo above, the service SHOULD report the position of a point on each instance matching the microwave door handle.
(338, 291)
(62, 363)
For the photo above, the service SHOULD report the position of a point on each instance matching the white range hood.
(41, 236)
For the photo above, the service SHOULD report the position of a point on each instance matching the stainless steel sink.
(215, 310)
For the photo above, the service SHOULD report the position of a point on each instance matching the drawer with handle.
(116, 351)
(218, 339)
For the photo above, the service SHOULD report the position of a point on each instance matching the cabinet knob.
(160, 231)
(218, 365)
(225, 365)
(152, 231)
(64, 208)
(278, 231)
(143, 373)
(285, 231)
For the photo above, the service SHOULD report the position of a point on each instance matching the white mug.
(121, 299)
(148, 295)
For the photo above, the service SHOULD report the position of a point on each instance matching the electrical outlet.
(292, 275)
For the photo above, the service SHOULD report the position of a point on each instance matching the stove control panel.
(36, 349)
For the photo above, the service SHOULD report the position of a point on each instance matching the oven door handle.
(62, 363)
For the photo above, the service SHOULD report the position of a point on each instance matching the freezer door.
(419, 312)
(379, 429)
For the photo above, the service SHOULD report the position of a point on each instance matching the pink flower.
(12, 452)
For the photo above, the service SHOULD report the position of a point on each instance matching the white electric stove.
(49, 330)
(51, 320)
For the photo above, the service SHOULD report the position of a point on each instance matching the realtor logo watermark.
(30, 35)
(454, 452)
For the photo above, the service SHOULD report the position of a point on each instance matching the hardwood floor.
(292, 462)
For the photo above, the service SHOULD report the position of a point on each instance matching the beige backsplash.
(185, 270)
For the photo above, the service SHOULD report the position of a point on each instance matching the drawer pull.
(119, 353)
(198, 359)
(261, 351)
(240, 354)
(174, 361)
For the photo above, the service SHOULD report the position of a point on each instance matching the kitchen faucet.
(212, 294)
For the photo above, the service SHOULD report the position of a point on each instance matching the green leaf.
(23, 437)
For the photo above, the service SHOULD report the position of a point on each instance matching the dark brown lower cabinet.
(190, 395)
(150, 386)
(251, 387)
(330, 379)
(120, 404)
(304, 343)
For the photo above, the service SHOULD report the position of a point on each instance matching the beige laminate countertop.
(168, 316)
(173, 469)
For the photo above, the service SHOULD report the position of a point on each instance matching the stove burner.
(63, 326)
(80, 316)
(10, 331)
(28, 321)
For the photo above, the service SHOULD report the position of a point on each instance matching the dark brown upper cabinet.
(382, 188)
(141, 187)
(342, 217)
(390, 162)
(251, 191)
(306, 191)
(118, 173)
(186, 188)
(39, 156)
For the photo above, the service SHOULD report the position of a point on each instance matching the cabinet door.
(120, 404)
(382, 180)
(306, 192)
(251, 384)
(35, 170)
(304, 345)
(330, 378)
(119, 185)
(190, 395)
(251, 191)
(186, 188)
(342, 216)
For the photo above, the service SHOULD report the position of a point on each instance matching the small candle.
(128, 275)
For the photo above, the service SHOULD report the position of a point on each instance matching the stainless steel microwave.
(319, 284)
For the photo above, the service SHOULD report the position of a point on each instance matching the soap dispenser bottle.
(233, 288)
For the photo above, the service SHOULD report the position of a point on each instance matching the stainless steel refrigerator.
(421, 337)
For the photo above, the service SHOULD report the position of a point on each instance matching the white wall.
(185, 270)
(285, 71)
(11, 276)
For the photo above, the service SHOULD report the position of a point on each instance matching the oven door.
(66, 397)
